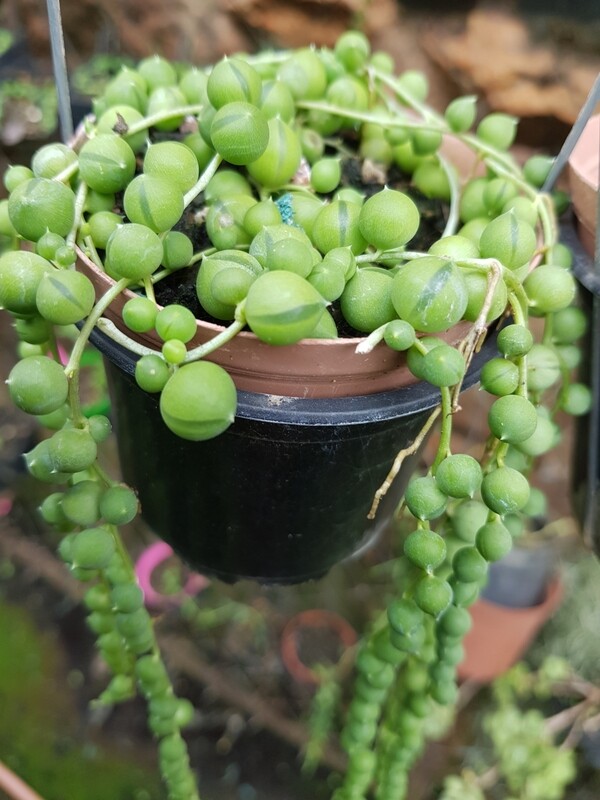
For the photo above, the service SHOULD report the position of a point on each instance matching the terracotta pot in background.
(521, 595)
(584, 182)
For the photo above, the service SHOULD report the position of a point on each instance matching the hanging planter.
(292, 277)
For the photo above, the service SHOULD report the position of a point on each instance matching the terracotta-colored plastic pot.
(584, 182)
(316, 619)
(508, 619)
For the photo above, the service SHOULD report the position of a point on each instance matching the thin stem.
(80, 199)
(221, 338)
(88, 326)
(108, 327)
(203, 180)
(399, 460)
(67, 172)
(162, 116)
(371, 341)
(446, 429)
(149, 288)
(453, 213)
(92, 253)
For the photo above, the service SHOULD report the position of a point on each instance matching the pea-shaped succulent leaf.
(515, 340)
(389, 219)
(543, 367)
(175, 322)
(493, 541)
(40, 465)
(200, 148)
(154, 202)
(106, 163)
(455, 622)
(467, 518)
(41, 205)
(459, 475)
(443, 366)
(239, 132)
(134, 251)
(173, 161)
(230, 286)
(568, 325)
(405, 617)
(366, 301)
(33, 329)
(328, 279)
(280, 158)
(100, 427)
(92, 548)
(15, 175)
(174, 351)
(477, 288)
(430, 179)
(352, 49)
(20, 276)
(455, 247)
(576, 399)
(80, 503)
(508, 239)
(338, 225)
(433, 595)
(226, 183)
(545, 436)
(72, 450)
(283, 308)
(118, 119)
(425, 549)
(415, 357)
(430, 293)
(424, 499)
(210, 267)
(225, 221)
(127, 87)
(233, 79)
(260, 215)
(157, 71)
(550, 288)
(304, 74)
(198, 401)
(65, 297)
(498, 130)
(38, 385)
(276, 101)
(512, 418)
(499, 376)
(102, 225)
(119, 505)
(399, 335)
(460, 113)
(51, 159)
(266, 239)
(325, 327)
(504, 490)
(139, 314)
(166, 100)
(325, 175)
(291, 255)
(469, 566)
(152, 373)
(127, 598)
(178, 250)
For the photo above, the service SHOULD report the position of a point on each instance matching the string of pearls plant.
(276, 174)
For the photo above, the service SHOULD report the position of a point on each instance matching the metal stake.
(59, 63)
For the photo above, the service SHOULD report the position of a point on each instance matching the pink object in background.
(153, 557)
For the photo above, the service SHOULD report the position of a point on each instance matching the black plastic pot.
(284, 493)
(586, 461)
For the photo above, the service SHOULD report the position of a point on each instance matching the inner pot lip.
(323, 411)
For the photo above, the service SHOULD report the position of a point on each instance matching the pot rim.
(357, 409)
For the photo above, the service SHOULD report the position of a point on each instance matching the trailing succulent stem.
(286, 188)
